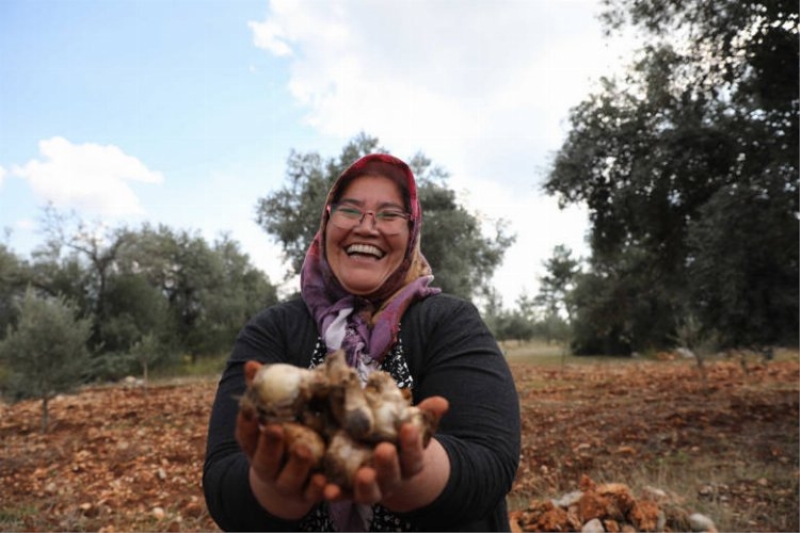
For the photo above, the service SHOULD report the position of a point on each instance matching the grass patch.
(202, 367)
(545, 354)
(719, 487)
(13, 518)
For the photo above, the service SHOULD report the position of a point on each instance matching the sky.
(185, 112)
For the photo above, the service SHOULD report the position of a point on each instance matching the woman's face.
(362, 258)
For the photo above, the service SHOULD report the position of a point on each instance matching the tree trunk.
(703, 372)
(144, 365)
(45, 413)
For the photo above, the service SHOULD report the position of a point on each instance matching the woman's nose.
(364, 225)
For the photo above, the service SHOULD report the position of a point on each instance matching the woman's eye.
(350, 212)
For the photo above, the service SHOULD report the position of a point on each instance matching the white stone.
(568, 499)
(699, 522)
(593, 526)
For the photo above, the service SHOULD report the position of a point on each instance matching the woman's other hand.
(404, 477)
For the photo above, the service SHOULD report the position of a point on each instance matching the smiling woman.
(366, 291)
(361, 253)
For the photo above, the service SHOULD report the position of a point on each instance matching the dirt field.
(116, 459)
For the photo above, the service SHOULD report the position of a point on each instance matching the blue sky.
(184, 112)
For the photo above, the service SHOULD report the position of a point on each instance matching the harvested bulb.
(327, 410)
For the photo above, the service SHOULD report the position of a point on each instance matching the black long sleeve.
(450, 353)
(282, 333)
(459, 359)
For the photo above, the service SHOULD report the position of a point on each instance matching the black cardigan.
(450, 352)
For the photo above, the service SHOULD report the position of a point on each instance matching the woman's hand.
(281, 479)
(403, 477)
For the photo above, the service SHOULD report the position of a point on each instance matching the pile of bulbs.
(326, 410)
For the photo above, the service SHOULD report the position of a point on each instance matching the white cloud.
(87, 176)
(25, 224)
(2, 175)
(437, 69)
(270, 37)
(483, 88)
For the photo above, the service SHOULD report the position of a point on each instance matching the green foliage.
(147, 351)
(134, 308)
(46, 352)
(13, 280)
(62, 276)
(155, 287)
(199, 295)
(136, 312)
(90, 251)
(291, 215)
(517, 326)
(554, 298)
(684, 165)
(553, 328)
(744, 268)
(507, 325)
(557, 283)
(462, 258)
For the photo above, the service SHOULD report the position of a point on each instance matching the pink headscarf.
(366, 327)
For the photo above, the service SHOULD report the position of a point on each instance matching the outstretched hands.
(286, 483)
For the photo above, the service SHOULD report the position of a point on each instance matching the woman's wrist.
(424, 487)
(289, 509)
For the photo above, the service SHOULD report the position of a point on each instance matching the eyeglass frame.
(331, 209)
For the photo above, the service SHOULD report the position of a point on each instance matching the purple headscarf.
(366, 327)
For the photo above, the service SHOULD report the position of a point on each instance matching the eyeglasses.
(388, 221)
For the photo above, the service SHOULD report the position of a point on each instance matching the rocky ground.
(120, 458)
(725, 447)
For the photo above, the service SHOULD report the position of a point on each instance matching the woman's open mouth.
(364, 250)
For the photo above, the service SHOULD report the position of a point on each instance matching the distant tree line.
(149, 296)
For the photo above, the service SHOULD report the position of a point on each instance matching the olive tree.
(45, 352)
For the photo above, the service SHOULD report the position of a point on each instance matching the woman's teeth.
(364, 249)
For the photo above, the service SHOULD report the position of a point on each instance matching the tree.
(14, 277)
(139, 288)
(553, 297)
(61, 276)
(557, 283)
(505, 325)
(46, 351)
(98, 246)
(240, 290)
(744, 269)
(146, 351)
(291, 215)
(209, 291)
(619, 308)
(462, 258)
(135, 310)
(517, 326)
(711, 106)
